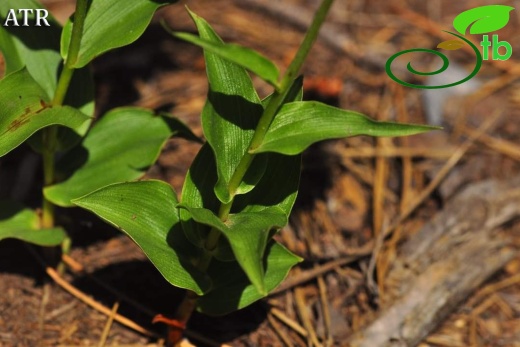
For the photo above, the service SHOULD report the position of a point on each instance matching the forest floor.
(360, 198)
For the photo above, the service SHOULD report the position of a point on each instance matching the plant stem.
(48, 175)
(268, 115)
(275, 102)
(187, 307)
(290, 74)
(50, 134)
(72, 55)
(182, 314)
(77, 32)
(63, 86)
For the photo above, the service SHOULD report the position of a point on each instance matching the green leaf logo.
(483, 19)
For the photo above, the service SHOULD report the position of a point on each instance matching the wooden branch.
(443, 263)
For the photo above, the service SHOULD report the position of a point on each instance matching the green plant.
(47, 98)
(217, 241)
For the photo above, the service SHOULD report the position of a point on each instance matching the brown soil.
(348, 194)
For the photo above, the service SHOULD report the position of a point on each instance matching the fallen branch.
(443, 263)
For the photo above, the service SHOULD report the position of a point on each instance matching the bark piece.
(450, 257)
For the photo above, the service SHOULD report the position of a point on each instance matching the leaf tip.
(192, 14)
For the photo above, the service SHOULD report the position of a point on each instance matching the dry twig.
(301, 305)
(277, 329)
(317, 271)
(289, 322)
(108, 326)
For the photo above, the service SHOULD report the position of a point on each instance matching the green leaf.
(38, 48)
(300, 124)
(110, 24)
(245, 57)
(81, 96)
(230, 116)
(485, 19)
(277, 188)
(197, 192)
(120, 147)
(247, 233)
(21, 223)
(25, 110)
(234, 290)
(146, 212)
(279, 184)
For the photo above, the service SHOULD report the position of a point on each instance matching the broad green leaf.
(245, 57)
(300, 124)
(482, 19)
(230, 116)
(234, 291)
(146, 212)
(81, 96)
(21, 223)
(25, 109)
(277, 188)
(247, 233)
(119, 147)
(110, 24)
(38, 49)
(197, 192)
(279, 184)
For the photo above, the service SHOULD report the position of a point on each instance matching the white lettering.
(41, 15)
(26, 15)
(11, 16)
(25, 12)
